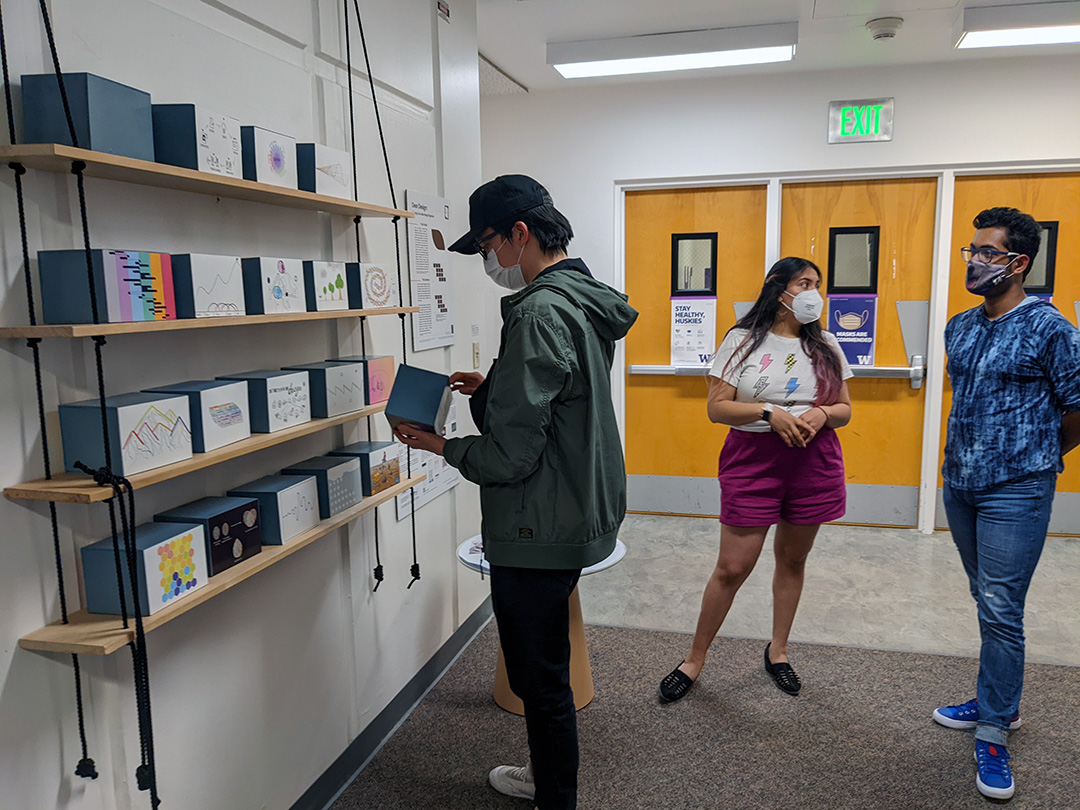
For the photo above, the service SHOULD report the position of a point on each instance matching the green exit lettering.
(860, 120)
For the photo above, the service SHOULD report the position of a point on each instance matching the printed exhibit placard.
(431, 271)
(853, 319)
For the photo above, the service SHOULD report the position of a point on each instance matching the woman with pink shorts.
(779, 381)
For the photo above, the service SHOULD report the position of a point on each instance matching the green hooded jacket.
(549, 461)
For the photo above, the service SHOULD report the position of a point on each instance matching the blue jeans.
(999, 533)
(532, 610)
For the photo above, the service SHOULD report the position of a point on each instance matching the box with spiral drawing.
(276, 399)
(273, 285)
(145, 431)
(336, 387)
(232, 528)
(326, 286)
(419, 397)
(208, 286)
(378, 375)
(323, 170)
(371, 286)
(380, 464)
(108, 116)
(194, 137)
(288, 505)
(131, 286)
(219, 411)
(338, 478)
(170, 564)
(268, 157)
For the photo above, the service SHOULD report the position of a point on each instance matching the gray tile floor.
(889, 589)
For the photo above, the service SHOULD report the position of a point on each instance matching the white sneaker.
(517, 782)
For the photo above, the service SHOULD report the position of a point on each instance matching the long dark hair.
(759, 320)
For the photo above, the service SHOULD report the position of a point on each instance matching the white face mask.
(509, 277)
(807, 305)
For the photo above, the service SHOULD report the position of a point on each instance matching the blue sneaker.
(994, 779)
(965, 715)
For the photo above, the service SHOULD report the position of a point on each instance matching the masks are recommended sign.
(693, 330)
(853, 319)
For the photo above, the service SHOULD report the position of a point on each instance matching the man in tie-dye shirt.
(1014, 365)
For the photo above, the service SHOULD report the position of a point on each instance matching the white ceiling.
(514, 34)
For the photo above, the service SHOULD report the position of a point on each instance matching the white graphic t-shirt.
(778, 371)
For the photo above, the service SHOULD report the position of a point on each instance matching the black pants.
(533, 614)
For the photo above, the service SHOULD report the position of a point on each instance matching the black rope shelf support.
(86, 768)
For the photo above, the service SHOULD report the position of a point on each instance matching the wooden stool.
(581, 681)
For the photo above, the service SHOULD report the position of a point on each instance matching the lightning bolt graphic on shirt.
(760, 385)
(792, 384)
(789, 362)
(766, 359)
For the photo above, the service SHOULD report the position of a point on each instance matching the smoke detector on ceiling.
(885, 27)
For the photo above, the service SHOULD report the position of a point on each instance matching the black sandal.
(675, 685)
(783, 675)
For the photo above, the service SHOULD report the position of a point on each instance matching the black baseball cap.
(498, 201)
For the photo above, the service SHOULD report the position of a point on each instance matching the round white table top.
(469, 554)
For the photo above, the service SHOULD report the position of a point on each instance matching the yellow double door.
(672, 448)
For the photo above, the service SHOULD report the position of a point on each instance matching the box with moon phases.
(232, 527)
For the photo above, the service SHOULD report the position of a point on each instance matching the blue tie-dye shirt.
(1012, 378)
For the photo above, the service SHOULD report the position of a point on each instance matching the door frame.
(945, 175)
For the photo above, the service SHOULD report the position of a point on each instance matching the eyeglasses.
(984, 254)
(482, 246)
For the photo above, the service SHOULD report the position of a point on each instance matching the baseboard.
(346, 767)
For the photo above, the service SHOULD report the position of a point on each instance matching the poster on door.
(430, 271)
(693, 331)
(853, 320)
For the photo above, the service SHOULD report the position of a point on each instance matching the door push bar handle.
(916, 372)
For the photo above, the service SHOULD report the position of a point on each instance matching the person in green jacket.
(548, 460)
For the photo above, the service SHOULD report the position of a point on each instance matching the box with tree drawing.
(288, 505)
(208, 286)
(219, 411)
(231, 526)
(327, 287)
(338, 478)
(276, 399)
(336, 387)
(170, 564)
(145, 431)
(193, 137)
(381, 464)
(131, 286)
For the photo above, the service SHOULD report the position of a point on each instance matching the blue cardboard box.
(338, 478)
(378, 375)
(197, 138)
(208, 286)
(276, 399)
(232, 528)
(380, 464)
(273, 286)
(268, 157)
(336, 387)
(419, 397)
(218, 408)
(171, 565)
(324, 170)
(131, 286)
(108, 116)
(327, 286)
(146, 431)
(288, 505)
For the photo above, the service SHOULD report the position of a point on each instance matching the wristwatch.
(766, 411)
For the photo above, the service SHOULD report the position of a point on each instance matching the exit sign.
(862, 120)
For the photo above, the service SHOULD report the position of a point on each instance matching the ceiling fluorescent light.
(686, 50)
(1032, 24)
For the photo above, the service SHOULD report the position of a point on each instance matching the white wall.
(256, 692)
(579, 142)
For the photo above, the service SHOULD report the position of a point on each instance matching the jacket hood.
(605, 307)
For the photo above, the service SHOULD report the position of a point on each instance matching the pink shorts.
(763, 481)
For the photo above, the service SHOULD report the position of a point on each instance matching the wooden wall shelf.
(79, 488)
(82, 330)
(93, 634)
(54, 157)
